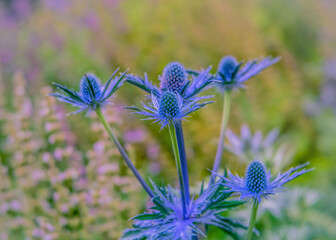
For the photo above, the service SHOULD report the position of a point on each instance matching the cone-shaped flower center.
(169, 105)
(174, 77)
(256, 179)
(227, 67)
(90, 91)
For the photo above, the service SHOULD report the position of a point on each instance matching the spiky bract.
(169, 108)
(175, 79)
(165, 220)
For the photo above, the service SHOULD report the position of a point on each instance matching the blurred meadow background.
(61, 178)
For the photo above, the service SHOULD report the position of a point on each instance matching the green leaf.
(148, 216)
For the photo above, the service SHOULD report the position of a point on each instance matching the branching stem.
(123, 152)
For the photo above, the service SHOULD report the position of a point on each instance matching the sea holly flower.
(258, 182)
(94, 96)
(249, 145)
(176, 79)
(165, 219)
(169, 108)
(232, 74)
(91, 95)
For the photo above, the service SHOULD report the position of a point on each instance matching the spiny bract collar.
(258, 182)
(168, 108)
(165, 221)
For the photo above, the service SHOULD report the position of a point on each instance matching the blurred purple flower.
(153, 151)
(135, 136)
(22, 7)
(6, 56)
(91, 21)
(59, 5)
(248, 145)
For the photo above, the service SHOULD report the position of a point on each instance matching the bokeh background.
(61, 178)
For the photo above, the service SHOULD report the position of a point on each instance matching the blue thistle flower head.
(256, 177)
(169, 108)
(165, 221)
(91, 95)
(174, 77)
(90, 88)
(228, 67)
(169, 105)
(232, 74)
(258, 182)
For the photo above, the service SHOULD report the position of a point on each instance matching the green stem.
(220, 147)
(178, 166)
(252, 220)
(123, 152)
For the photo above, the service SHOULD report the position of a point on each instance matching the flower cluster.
(176, 98)
(174, 214)
(175, 78)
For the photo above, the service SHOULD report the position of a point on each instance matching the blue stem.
(184, 164)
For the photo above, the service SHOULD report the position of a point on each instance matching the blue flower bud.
(169, 105)
(256, 177)
(174, 77)
(93, 92)
(227, 67)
